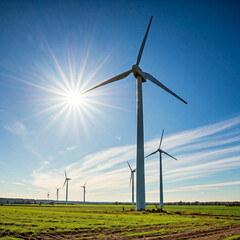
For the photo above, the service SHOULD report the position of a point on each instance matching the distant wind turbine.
(48, 196)
(66, 182)
(160, 159)
(84, 192)
(141, 77)
(132, 180)
(57, 193)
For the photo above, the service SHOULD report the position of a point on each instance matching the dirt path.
(203, 234)
(210, 233)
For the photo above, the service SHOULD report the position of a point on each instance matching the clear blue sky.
(49, 48)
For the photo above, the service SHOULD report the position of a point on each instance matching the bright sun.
(74, 98)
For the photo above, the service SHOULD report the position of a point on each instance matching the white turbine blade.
(64, 182)
(130, 178)
(161, 139)
(151, 154)
(168, 155)
(65, 174)
(143, 43)
(85, 184)
(116, 78)
(154, 80)
(129, 165)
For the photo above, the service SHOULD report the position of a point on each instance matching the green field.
(111, 221)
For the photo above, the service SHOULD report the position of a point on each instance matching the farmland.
(114, 222)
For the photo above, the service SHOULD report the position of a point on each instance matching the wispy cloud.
(68, 149)
(32, 150)
(203, 187)
(19, 183)
(118, 138)
(17, 128)
(199, 187)
(202, 152)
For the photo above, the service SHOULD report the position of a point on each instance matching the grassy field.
(110, 221)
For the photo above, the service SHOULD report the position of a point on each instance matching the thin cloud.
(17, 128)
(19, 183)
(68, 149)
(201, 152)
(203, 187)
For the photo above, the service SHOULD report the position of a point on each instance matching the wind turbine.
(141, 77)
(160, 159)
(132, 179)
(84, 192)
(48, 196)
(57, 193)
(66, 182)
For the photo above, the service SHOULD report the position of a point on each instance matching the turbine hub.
(136, 69)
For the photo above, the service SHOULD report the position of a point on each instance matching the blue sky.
(50, 48)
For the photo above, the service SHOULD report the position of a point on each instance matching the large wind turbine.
(57, 193)
(160, 159)
(141, 77)
(84, 192)
(132, 179)
(66, 182)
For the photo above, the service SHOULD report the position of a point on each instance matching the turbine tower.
(66, 182)
(132, 180)
(84, 192)
(160, 159)
(57, 193)
(141, 77)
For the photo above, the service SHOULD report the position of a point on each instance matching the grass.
(26, 220)
(211, 209)
(233, 237)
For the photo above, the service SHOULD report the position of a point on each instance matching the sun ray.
(54, 119)
(92, 75)
(57, 89)
(108, 105)
(46, 110)
(30, 83)
(81, 71)
(61, 72)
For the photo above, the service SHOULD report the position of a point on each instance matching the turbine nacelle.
(160, 150)
(137, 71)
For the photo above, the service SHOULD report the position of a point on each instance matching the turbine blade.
(85, 183)
(129, 165)
(114, 79)
(168, 155)
(64, 182)
(65, 174)
(130, 179)
(143, 43)
(154, 80)
(161, 139)
(151, 154)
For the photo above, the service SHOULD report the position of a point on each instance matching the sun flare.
(60, 94)
(74, 98)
